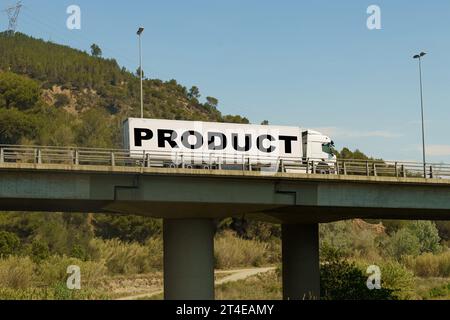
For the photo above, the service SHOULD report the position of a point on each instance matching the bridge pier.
(300, 254)
(188, 259)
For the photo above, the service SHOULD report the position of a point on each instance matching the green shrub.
(341, 279)
(403, 243)
(79, 252)
(61, 100)
(39, 250)
(61, 292)
(428, 235)
(398, 279)
(9, 244)
(440, 292)
(351, 240)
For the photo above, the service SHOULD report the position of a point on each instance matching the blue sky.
(311, 63)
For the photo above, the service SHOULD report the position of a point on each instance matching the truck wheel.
(323, 168)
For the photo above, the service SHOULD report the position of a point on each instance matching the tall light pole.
(141, 73)
(420, 56)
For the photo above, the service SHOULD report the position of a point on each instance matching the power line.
(13, 15)
(53, 30)
(77, 38)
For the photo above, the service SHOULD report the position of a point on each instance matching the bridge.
(189, 200)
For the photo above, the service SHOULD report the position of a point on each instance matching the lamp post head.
(140, 30)
(420, 55)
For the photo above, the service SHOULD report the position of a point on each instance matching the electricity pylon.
(13, 14)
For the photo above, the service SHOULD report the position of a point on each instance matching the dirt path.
(242, 274)
(234, 275)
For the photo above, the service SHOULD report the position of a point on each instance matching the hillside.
(55, 95)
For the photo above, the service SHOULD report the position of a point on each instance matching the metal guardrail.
(210, 161)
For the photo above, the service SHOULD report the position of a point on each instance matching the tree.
(346, 153)
(444, 230)
(265, 123)
(95, 50)
(415, 238)
(212, 102)
(16, 125)
(138, 73)
(18, 91)
(95, 131)
(403, 243)
(194, 92)
(126, 227)
(427, 234)
(234, 119)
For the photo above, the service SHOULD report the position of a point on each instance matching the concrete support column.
(300, 252)
(188, 259)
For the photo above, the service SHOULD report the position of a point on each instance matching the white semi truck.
(209, 145)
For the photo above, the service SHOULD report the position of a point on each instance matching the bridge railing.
(209, 161)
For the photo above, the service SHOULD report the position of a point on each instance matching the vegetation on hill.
(55, 95)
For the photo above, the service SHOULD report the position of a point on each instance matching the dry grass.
(430, 265)
(23, 279)
(16, 272)
(129, 258)
(232, 252)
(54, 269)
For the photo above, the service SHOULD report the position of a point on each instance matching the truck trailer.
(213, 145)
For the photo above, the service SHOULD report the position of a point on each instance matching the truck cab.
(318, 147)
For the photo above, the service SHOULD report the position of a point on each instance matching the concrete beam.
(188, 259)
(300, 252)
(181, 194)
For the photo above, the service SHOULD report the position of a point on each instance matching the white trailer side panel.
(211, 141)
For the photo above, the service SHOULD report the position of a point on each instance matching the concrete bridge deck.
(189, 193)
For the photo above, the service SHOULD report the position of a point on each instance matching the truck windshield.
(328, 148)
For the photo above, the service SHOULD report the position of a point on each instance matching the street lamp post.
(420, 56)
(141, 75)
